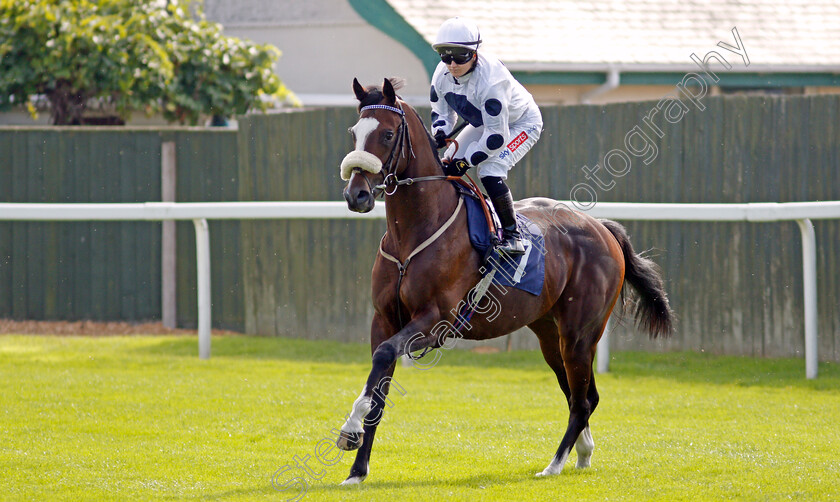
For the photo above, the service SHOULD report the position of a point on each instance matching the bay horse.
(426, 266)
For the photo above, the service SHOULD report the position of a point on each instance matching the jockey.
(503, 121)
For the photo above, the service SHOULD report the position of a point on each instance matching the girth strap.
(402, 266)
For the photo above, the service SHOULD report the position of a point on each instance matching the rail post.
(809, 283)
(603, 351)
(202, 252)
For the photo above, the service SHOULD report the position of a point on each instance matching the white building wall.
(325, 44)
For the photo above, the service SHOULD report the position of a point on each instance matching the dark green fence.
(109, 270)
(736, 287)
(303, 278)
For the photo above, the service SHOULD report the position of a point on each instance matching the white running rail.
(200, 212)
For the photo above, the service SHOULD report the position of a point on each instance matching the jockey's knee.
(495, 186)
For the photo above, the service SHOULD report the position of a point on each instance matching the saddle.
(525, 272)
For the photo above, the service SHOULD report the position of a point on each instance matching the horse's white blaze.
(359, 157)
(355, 420)
(584, 446)
(362, 130)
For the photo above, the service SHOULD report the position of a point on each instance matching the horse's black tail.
(653, 313)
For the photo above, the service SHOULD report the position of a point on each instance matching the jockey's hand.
(440, 139)
(455, 167)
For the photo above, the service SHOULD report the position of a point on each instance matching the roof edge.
(766, 77)
(663, 68)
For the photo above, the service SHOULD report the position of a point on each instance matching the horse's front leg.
(359, 470)
(380, 331)
(360, 427)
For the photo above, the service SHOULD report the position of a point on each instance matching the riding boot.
(512, 241)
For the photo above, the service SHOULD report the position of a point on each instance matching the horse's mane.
(428, 136)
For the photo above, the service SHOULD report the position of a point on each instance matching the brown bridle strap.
(403, 140)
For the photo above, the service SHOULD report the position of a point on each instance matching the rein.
(391, 180)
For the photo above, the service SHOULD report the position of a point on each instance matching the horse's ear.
(388, 91)
(358, 90)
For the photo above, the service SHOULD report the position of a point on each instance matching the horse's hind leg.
(549, 337)
(577, 352)
(546, 331)
(585, 445)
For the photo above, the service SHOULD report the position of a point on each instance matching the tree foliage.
(130, 55)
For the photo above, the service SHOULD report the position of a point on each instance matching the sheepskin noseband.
(365, 161)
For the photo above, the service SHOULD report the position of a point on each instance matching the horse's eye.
(389, 135)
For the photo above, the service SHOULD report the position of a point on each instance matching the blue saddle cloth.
(525, 272)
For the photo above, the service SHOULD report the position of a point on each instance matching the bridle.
(391, 182)
(389, 167)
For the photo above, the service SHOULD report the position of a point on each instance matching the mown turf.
(141, 418)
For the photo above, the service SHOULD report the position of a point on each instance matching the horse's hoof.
(551, 470)
(349, 441)
(353, 480)
(583, 463)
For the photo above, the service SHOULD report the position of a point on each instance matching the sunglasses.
(457, 58)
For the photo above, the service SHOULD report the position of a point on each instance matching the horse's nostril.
(363, 197)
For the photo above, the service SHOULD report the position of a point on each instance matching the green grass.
(140, 418)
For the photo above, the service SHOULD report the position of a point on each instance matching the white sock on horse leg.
(584, 446)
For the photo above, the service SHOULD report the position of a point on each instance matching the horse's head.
(379, 136)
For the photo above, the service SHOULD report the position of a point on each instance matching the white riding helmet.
(458, 32)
